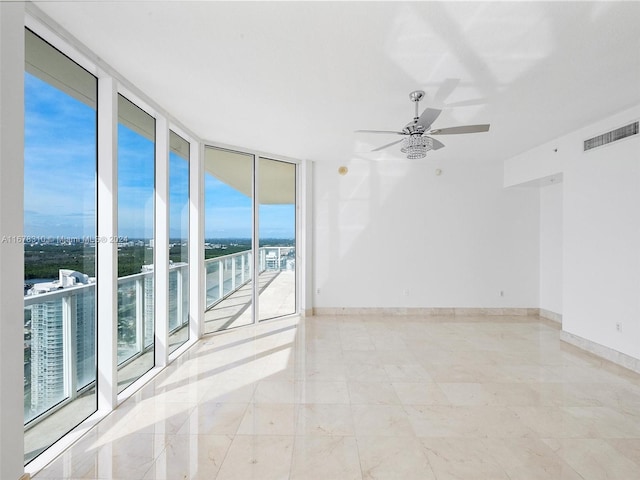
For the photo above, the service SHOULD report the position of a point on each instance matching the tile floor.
(374, 398)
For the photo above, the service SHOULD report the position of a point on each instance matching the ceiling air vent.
(612, 136)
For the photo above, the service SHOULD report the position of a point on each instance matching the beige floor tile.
(324, 392)
(462, 458)
(196, 457)
(372, 393)
(381, 420)
(419, 393)
(325, 457)
(594, 459)
(258, 457)
(407, 372)
(276, 391)
(269, 419)
(555, 422)
(393, 458)
(356, 396)
(629, 447)
(144, 417)
(325, 419)
(466, 422)
(531, 459)
(465, 394)
(214, 418)
(129, 456)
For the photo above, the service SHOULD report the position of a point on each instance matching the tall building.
(58, 323)
(178, 295)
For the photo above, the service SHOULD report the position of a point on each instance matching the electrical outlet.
(619, 326)
(317, 291)
(502, 293)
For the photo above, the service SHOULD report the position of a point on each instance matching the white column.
(107, 246)
(197, 272)
(304, 238)
(11, 226)
(255, 241)
(161, 244)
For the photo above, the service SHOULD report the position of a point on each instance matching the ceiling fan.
(417, 133)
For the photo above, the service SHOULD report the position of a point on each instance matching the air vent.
(612, 136)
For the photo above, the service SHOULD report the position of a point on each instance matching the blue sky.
(60, 179)
(228, 214)
(60, 154)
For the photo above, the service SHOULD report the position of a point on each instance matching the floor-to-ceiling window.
(228, 227)
(232, 213)
(59, 245)
(62, 313)
(277, 234)
(178, 241)
(136, 213)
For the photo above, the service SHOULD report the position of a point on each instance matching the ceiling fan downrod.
(416, 96)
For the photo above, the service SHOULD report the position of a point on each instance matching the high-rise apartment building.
(61, 323)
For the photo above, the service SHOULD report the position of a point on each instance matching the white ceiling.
(297, 78)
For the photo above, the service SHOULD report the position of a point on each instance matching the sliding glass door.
(136, 213)
(233, 214)
(228, 226)
(59, 245)
(178, 241)
(277, 234)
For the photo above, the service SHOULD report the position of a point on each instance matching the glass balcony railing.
(225, 275)
(60, 336)
(59, 347)
(228, 273)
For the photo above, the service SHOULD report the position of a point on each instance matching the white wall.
(393, 234)
(602, 239)
(11, 230)
(600, 232)
(551, 247)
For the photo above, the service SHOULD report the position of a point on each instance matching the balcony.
(60, 332)
(60, 349)
(229, 306)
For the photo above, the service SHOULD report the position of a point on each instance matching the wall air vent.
(612, 136)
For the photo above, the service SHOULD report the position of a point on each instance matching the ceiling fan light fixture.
(416, 147)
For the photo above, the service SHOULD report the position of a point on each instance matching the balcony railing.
(60, 326)
(60, 336)
(228, 273)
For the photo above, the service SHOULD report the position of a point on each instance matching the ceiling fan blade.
(428, 117)
(387, 145)
(445, 90)
(461, 129)
(380, 131)
(437, 145)
(468, 103)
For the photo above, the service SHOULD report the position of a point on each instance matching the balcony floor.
(358, 397)
(277, 298)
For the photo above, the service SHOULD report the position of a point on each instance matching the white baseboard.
(549, 315)
(417, 311)
(601, 351)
